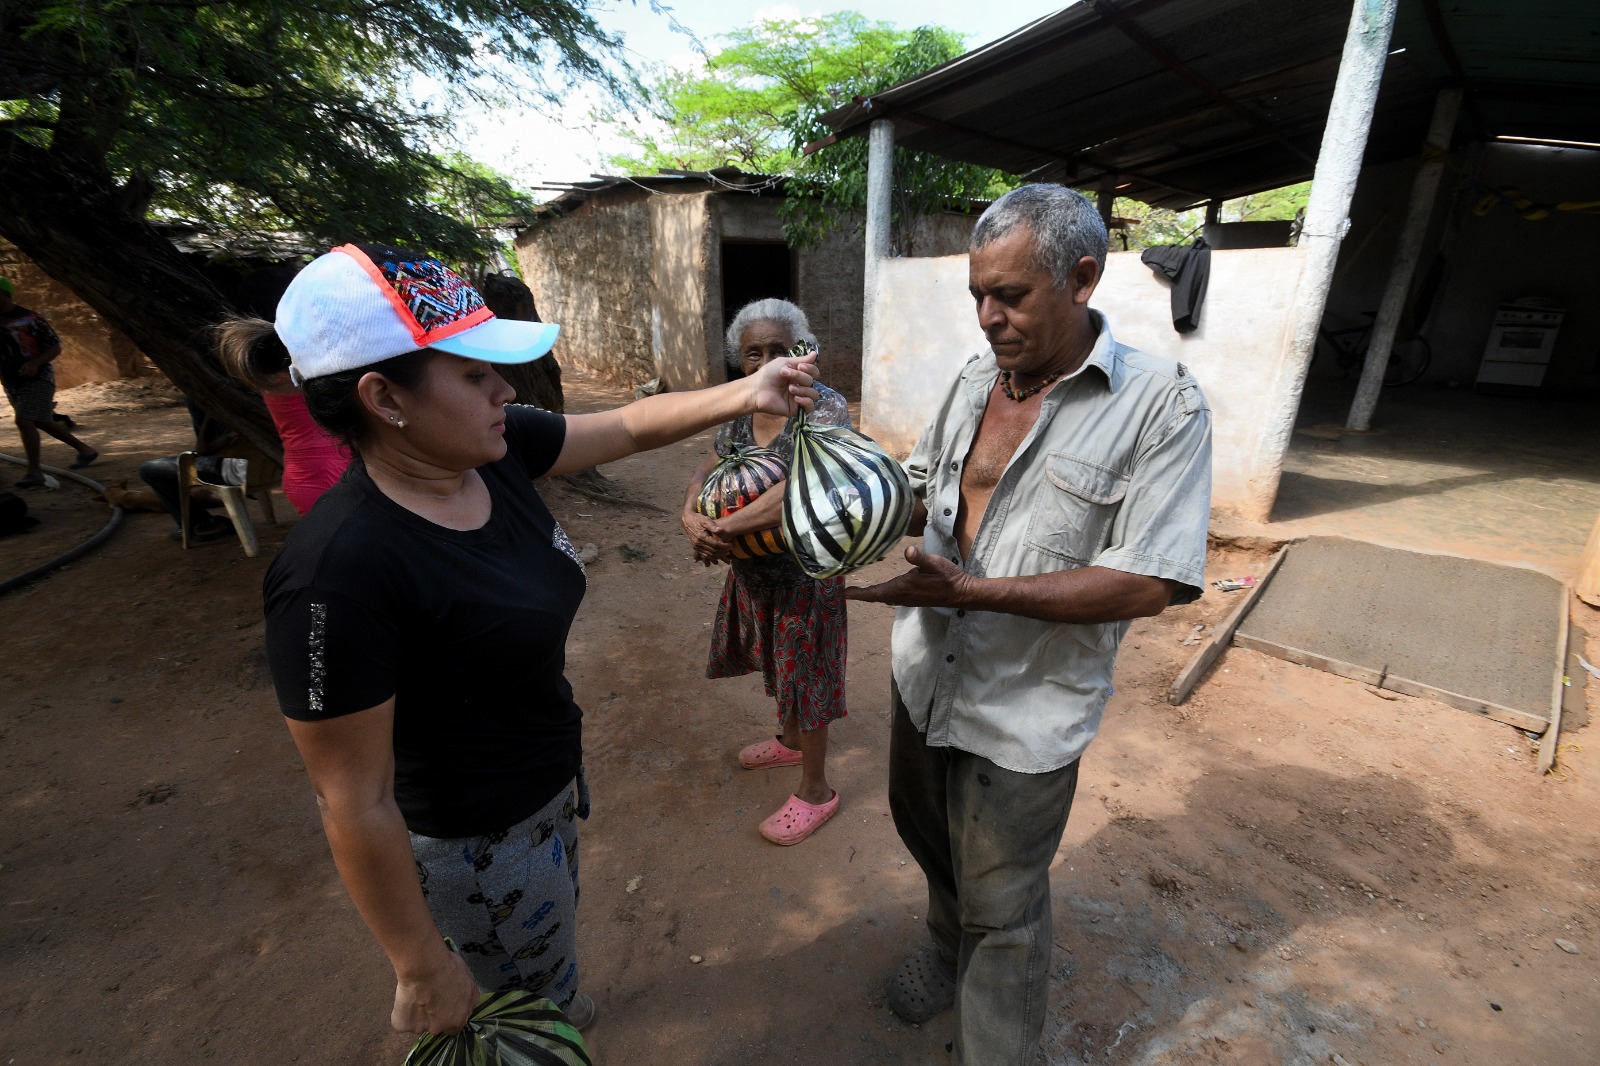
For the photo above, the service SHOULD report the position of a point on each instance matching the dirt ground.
(1287, 869)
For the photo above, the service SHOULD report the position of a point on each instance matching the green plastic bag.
(510, 1028)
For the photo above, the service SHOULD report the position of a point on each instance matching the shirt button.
(954, 465)
(947, 512)
(960, 613)
(949, 658)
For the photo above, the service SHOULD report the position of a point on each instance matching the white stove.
(1520, 343)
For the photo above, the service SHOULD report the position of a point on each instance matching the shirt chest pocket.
(1074, 508)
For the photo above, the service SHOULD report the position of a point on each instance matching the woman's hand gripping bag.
(734, 483)
(848, 502)
(509, 1028)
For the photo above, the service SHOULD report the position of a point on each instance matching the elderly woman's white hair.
(771, 309)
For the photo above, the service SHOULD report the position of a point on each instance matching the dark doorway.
(754, 270)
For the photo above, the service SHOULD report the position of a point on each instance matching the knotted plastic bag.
(848, 502)
(736, 481)
(512, 1028)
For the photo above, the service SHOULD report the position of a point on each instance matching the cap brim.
(501, 340)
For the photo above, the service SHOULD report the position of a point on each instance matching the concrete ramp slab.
(1479, 636)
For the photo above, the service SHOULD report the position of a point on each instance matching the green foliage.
(829, 188)
(757, 103)
(736, 109)
(270, 114)
(1273, 205)
(1149, 226)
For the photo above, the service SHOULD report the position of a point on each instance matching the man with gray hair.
(1064, 487)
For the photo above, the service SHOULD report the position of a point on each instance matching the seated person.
(161, 475)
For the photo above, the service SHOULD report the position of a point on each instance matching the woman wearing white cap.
(417, 621)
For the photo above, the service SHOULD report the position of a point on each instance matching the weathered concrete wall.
(829, 281)
(928, 330)
(946, 233)
(590, 271)
(742, 217)
(680, 232)
(636, 282)
(91, 348)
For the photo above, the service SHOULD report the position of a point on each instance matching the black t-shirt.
(466, 630)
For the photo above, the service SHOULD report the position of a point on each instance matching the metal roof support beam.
(979, 67)
(1423, 190)
(880, 196)
(1070, 163)
(1134, 33)
(1452, 59)
(1344, 139)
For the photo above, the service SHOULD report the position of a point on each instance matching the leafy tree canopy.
(829, 188)
(1148, 226)
(757, 103)
(736, 109)
(249, 114)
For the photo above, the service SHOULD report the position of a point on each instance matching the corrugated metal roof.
(1180, 101)
(723, 179)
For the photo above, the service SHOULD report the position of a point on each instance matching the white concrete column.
(1424, 188)
(1344, 139)
(880, 193)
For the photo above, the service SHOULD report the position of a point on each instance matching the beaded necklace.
(1005, 385)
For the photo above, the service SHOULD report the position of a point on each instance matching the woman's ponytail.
(251, 351)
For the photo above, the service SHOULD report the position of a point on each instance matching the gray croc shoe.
(923, 986)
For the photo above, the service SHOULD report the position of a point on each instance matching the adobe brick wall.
(91, 348)
(590, 271)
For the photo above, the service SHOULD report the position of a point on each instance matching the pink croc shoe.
(798, 819)
(766, 754)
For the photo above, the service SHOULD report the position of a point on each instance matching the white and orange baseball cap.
(363, 303)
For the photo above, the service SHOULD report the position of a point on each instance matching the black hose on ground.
(71, 554)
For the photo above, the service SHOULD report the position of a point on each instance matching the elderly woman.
(773, 618)
(417, 621)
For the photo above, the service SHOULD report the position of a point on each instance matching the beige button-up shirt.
(1115, 473)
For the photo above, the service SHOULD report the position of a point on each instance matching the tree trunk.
(538, 382)
(72, 222)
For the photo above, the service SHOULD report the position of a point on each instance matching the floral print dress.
(775, 619)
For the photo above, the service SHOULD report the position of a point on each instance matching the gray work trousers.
(984, 837)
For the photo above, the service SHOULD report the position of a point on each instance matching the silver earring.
(399, 423)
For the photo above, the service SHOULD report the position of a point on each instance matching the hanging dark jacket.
(1189, 267)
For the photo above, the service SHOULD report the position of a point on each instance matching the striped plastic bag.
(509, 1028)
(735, 482)
(848, 502)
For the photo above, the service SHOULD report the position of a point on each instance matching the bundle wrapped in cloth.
(848, 502)
(736, 481)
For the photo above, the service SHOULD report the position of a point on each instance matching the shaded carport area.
(1475, 162)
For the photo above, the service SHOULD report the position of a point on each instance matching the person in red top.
(313, 459)
(27, 347)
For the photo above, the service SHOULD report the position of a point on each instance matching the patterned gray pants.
(509, 901)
